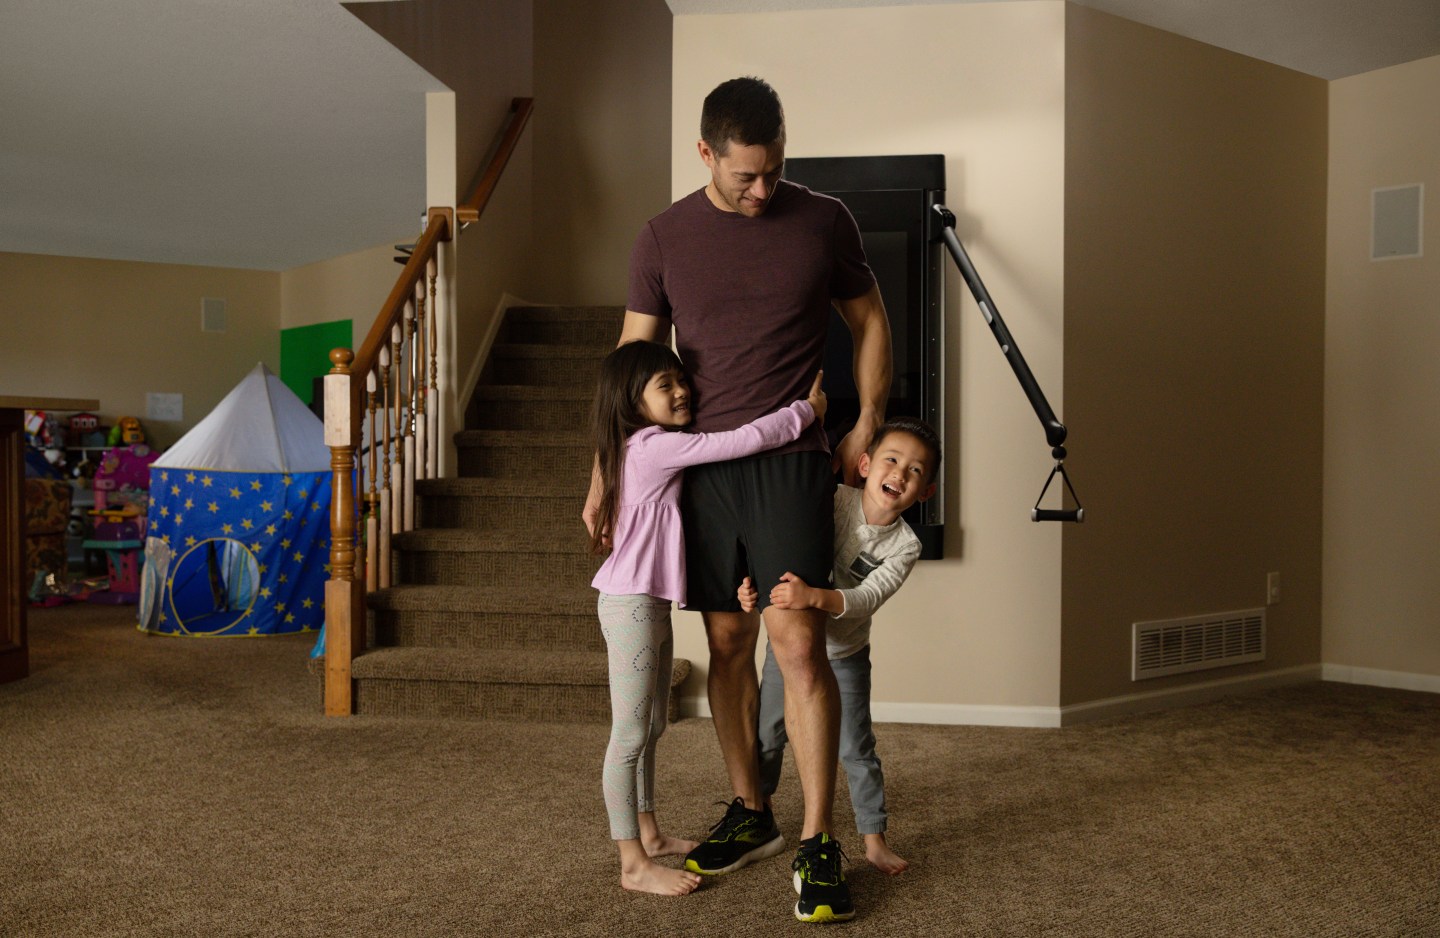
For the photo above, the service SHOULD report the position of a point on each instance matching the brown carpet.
(159, 786)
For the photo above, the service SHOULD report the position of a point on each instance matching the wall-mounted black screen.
(891, 198)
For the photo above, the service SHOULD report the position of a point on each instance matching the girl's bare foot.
(660, 880)
(882, 857)
(661, 846)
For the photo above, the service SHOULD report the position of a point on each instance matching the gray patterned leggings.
(642, 652)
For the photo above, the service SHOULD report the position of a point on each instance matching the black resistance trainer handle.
(1047, 514)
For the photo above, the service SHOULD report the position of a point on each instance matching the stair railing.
(387, 399)
(383, 426)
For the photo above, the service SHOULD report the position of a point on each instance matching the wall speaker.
(212, 315)
(1396, 213)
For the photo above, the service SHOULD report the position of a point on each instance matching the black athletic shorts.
(758, 517)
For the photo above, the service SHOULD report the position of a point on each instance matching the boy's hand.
(748, 596)
(792, 593)
(817, 397)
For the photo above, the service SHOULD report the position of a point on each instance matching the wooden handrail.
(439, 226)
(484, 184)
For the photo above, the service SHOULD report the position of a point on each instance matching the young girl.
(643, 396)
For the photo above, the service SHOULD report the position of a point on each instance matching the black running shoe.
(820, 880)
(742, 836)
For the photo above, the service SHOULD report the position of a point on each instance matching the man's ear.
(928, 494)
(864, 465)
(706, 154)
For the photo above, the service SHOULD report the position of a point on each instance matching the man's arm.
(870, 330)
(643, 326)
(636, 326)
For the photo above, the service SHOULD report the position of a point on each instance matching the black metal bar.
(1054, 429)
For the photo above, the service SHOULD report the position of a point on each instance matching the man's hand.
(792, 593)
(870, 329)
(589, 514)
(749, 596)
(847, 453)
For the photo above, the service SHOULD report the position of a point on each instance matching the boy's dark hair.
(921, 431)
(618, 413)
(746, 110)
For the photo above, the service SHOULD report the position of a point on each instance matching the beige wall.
(117, 330)
(484, 51)
(984, 85)
(1382, 388)
(352, 286)
(602, 142)
(1194, 331)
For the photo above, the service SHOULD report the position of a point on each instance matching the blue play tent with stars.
(238, 535)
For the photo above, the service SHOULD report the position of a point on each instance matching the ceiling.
(269, 134)
(1326, 38)
(238, 133)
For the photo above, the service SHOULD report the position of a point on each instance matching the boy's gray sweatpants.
(857, 738)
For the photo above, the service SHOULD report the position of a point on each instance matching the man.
(747, 270)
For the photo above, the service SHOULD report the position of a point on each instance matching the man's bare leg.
(812, 708)
(747, 832)
(734, 698)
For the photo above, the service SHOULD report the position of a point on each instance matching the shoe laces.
(820, 863)
(737, 817)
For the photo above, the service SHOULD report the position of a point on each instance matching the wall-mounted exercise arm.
(1054, 429)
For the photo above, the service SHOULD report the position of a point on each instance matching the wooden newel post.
(343, 640)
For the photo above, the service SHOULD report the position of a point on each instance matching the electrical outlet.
(1272, 589)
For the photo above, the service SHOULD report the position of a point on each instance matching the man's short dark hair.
(921, 431)
(746, 110)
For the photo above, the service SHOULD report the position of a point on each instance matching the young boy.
(874, 552)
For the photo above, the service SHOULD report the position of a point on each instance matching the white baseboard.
(935, 714)
(1127, 705)
(1373, 677)
(1184, 696)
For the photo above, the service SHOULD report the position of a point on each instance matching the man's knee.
(798, 640)
(731, 636)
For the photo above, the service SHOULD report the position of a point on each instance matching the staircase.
(495, 617)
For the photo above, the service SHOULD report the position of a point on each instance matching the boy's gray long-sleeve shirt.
(871, 561)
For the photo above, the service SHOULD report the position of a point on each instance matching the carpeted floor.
(156, 786)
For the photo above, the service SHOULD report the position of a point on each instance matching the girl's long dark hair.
(617, 414)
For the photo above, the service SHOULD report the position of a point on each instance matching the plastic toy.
(126, 432)
(83, 423)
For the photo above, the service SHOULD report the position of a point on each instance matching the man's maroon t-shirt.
(750, 298)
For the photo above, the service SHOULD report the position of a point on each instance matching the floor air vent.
(1174, 646)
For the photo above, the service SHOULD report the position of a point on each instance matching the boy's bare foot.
(660, 880)
(661, 846)
(882, 857)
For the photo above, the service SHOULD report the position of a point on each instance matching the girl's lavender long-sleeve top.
(648, 555)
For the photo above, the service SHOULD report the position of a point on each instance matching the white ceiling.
(1326, 38)
(272, 133)
(239, 133)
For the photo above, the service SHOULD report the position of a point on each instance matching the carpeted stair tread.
(567, 313)
(470, 541)
(533, 392)
(577, 600)
(494, 487)
(492, 666)
(559, 439)
(544, 351)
